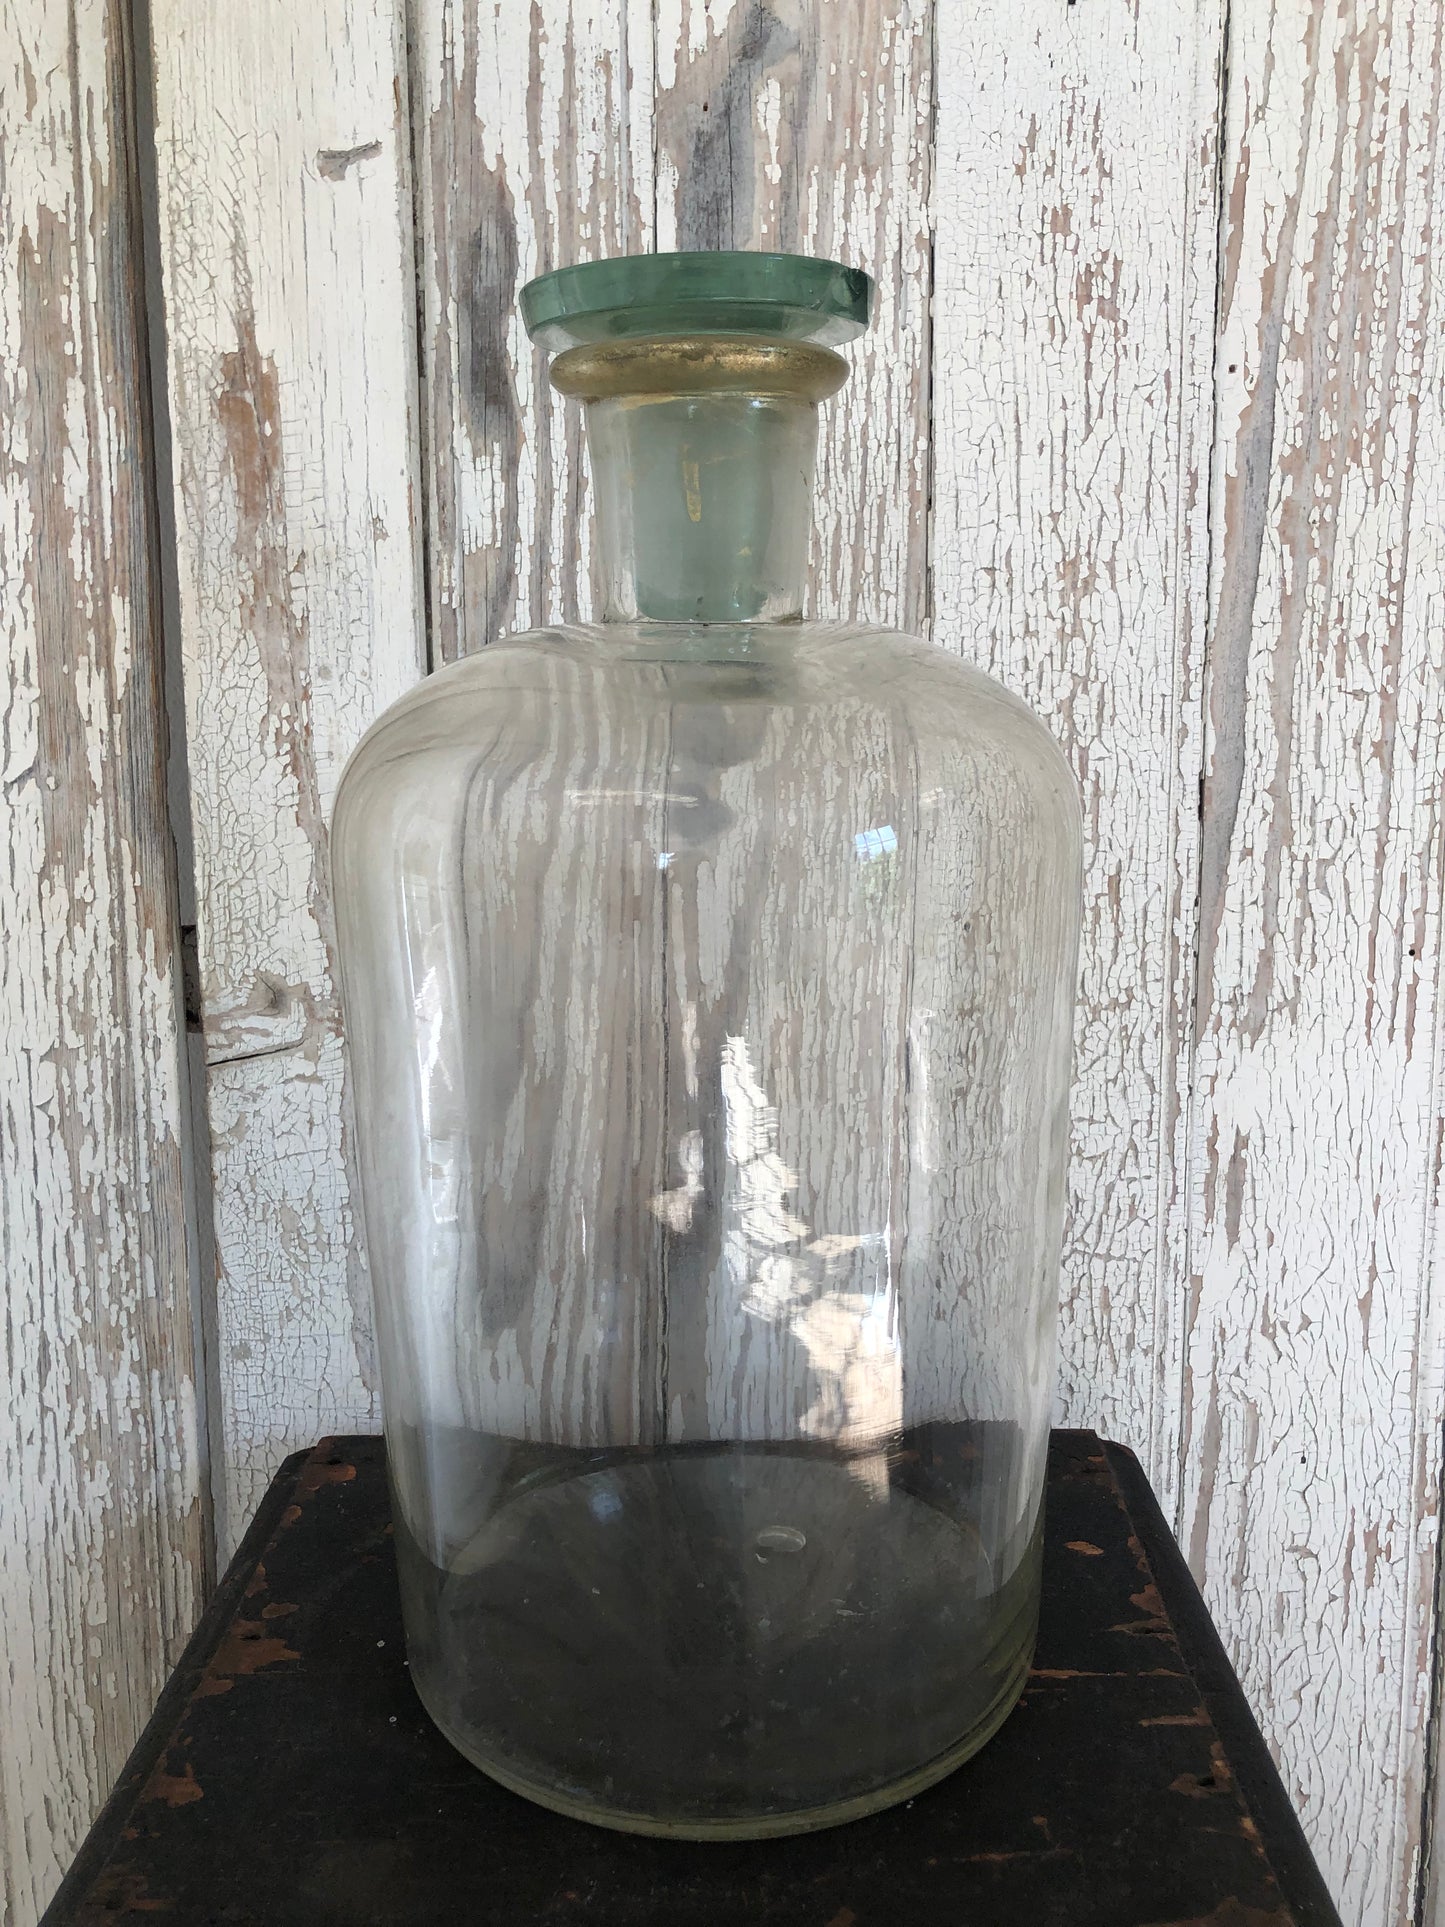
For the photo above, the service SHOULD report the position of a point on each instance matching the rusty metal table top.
(290, 1776)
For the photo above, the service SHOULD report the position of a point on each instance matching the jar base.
(725, 1640)
(763, 1826)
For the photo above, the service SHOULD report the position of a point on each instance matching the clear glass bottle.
(708, 979)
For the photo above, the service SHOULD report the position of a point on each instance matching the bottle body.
(709, 996)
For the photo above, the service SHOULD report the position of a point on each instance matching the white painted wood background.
(1150, 423)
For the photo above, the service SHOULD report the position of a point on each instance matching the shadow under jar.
(708, 979)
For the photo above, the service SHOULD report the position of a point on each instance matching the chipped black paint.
(1131, 1788)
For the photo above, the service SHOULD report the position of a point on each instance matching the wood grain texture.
(505, 1297)
(805, 126)
(1073, 310)
(1314, 1394)
(534, 150)
(756, 150)
(285, 234)
(101, 1528)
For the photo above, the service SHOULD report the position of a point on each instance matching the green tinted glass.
(790, 295)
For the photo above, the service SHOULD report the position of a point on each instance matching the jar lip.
(792, 297)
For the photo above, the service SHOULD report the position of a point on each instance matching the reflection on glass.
(795, 1281)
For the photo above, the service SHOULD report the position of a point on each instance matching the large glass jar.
(708, 980)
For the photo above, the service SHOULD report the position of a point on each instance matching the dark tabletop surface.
(290, 1775)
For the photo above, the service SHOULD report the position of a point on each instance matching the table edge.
(106, 1829)
(1260, 1787)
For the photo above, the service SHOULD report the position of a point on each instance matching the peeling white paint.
(292, 396)
(1315, 1349)
(100, 1477)
(1248, 1283)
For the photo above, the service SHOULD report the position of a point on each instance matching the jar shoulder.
(833, 681)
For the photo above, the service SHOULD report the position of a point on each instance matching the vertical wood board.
(286, 253)
(101, 1526)
(1314, 1392)
(806, 128)
(1073, 312)
(534, 144)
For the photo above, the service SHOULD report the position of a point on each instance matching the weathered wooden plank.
(1073, 305)
(757, 149)
(291, 1324)
(1314, 1390)
(806, 126)
(101, 1528)
(534, 142)
(286, 252)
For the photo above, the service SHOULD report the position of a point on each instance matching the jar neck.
(702, 454)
